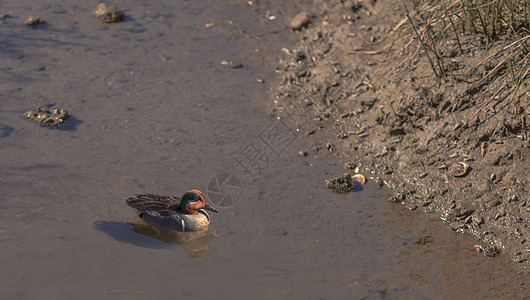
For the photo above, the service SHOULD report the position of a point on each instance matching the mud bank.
(362, 85)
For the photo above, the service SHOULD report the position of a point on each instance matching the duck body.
(173, 213)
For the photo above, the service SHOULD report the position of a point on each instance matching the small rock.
(397, 131)
(108, 13)
(459, 169)
(33, 21)
(231, 64)
(301, 20)
(357, 5)
(302, 153)
(496, 160)
(411, 206)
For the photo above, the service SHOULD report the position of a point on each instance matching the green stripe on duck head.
(189, 198)
(193, 201)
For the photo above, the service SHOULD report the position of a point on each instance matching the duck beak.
(208, 207)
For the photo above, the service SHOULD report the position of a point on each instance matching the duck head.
(193, 201)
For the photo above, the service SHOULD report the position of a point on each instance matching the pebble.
(108, 13)
(301, 20)
(459, 169)
(397, 131)
(356, 6)
(231, 64)
(33, 21)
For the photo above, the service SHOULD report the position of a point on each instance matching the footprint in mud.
(5, 130)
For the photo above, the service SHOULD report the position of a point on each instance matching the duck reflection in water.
(194, 243)
(174, 220)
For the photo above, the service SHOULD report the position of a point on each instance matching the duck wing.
(163, 205)
(172, 221)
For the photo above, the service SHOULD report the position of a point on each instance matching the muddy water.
(155, 112)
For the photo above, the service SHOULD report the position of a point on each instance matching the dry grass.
(491, 36)
(435, 23)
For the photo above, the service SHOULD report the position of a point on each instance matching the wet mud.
(455, 147)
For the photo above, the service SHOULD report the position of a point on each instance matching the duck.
(187, 213)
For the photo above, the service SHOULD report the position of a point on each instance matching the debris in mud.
(350, 165)
(53, 116)
(234, 64)
(108, 13)
(301, 20)
(489, 251)
(341, 184)
(424, 240)
(302, 153)
(401, 196)
(33, 21)
(459, 169)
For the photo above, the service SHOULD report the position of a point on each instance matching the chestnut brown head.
(193, 201)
